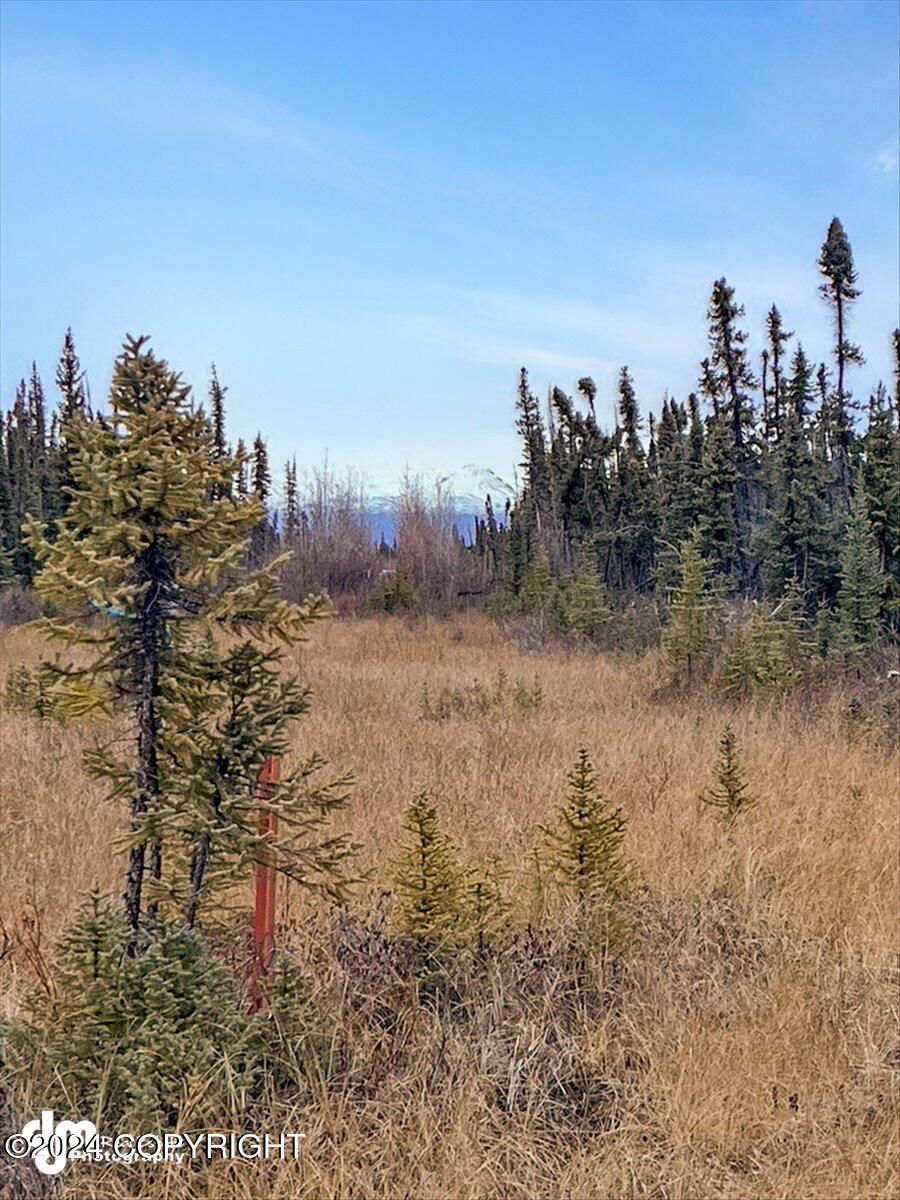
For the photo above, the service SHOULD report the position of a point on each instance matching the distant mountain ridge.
(382, 521)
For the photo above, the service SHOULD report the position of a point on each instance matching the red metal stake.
(262, 939)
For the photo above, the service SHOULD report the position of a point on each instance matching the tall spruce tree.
(241, 470)
(292, 514)
(262, 479)
(717, 525)
(632, 532)
(696, 440)
(777, 338)
(798, 541)
(881, 475)
(217, 413)
(493, 540)
(54, 498)
(50, 454)
(731, 378)
(70, 380)
(839, 291)
(262, 539)
(675, 487)
(25, 491)
(145, 571)
(73, 406)
(217, 416)
(37, 448)
(534, 463)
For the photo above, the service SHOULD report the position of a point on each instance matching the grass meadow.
(745, 1046)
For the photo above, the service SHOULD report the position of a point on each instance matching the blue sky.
(371, 215)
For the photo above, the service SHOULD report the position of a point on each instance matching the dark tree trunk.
(196, 871)
(152, 573)
(767, 426)
(155, 870)
(843, 424)
(742, 489)
(839, 312)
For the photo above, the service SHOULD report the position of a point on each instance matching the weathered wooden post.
(262, 937)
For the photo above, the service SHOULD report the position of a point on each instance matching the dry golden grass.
(751, 1050)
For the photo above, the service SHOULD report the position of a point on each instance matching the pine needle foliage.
(429, 883)
(396, 593)
(537, 587)
(862, 585)
(695, 612)
(233, 712)
(768, 655)
(587, 610)
(729, 795)
(583, 846)
(35, 692)
(143, 1040)
(146, 570)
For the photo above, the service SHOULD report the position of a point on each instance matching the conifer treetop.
(145, 480)
(836, 264)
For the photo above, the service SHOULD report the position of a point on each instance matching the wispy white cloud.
(887, 160)
(611, 333)
(520, 354)
(657, 328)
(176, 104)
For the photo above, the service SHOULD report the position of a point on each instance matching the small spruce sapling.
(396, 593)
(862, 588)
(768, 655)
(488, 911)
(33, 692)
(583, 849)
(730, 793)
(694, 623)
(144, 1040)
(536, 591)
(428, 880)
(587, 610)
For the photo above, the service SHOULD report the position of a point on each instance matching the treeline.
(35, 465)
(782, 482)
(757, 469)
(35, 457)
(323, 519)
